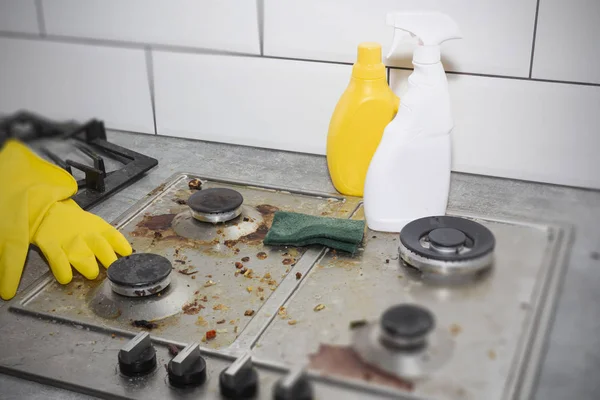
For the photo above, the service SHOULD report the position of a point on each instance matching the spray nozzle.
(431, 28)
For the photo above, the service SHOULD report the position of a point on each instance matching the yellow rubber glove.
(70, 236)
(29, 185)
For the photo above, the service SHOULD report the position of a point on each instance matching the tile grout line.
(260, 10)
(150, 74)
(196, 50)
(535, 22)
(39, 12)
(518, 78)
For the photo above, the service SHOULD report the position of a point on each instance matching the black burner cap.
(140, 269)
(478, 238)
(215, 200)
(407, 321)
(447, 237)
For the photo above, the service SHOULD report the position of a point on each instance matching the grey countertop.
(572, 363)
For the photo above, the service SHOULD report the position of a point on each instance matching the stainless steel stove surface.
(294, 308)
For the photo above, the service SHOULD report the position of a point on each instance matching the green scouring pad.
(293, 229)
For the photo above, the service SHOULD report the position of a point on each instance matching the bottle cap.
(368, 64)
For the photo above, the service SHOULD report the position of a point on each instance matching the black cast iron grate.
(90, 139)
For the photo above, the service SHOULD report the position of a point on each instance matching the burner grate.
(90, 139)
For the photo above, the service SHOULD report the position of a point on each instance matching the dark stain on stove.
(157, 189)
(145, 324)
(192, 308)
(594, 255)
(343, 361)
(155, 289)
(186, 272)
(180, 201)
(173, 350)
(157, 222)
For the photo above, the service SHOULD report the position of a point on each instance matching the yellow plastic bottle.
(357, 124)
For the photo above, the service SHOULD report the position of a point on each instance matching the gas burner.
(446, 248)
(404, 342)
(215, 204)
(139, 275)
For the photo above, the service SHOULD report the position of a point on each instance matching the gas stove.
(454, 307)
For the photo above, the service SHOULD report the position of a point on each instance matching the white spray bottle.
(409, 175)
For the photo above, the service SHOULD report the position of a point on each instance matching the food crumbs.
(221, 330)
(298, 275)
(249, 289)
(193, 277)
(249, 313)
(195, 184)
(201, 321)
(245, 259)
(387, 260)
(69, 293)
(292, 322)
(113, 336)
(262, 298)
(221, 307)
(287, 261)
(221, 321)
(209, 283)
(210, 335)
(248, 274)
(455, 329)
(236, 273)
(319, 307)
(492, 355)
(239, 265)
(235, 330)
(232, 322)
(267, 276)
(262, 255)
(282, 312)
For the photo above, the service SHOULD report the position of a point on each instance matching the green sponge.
(295, 229)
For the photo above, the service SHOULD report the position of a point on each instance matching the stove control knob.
(188, 368)
(240, 379)
(406, 326)
(138, 356)
(294, 386)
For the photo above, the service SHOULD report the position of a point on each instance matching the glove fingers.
(101, 248)
(118, 242)
(59, 263)
(12, 262)
(82, 258)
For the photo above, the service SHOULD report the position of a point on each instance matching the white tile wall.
(523, 129)
(68, 81)
(229, 25)
(517, 128)
(18, 16)
(253, 101)
(568, 41)
(497, 34)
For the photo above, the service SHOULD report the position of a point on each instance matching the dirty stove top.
(294, 308)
